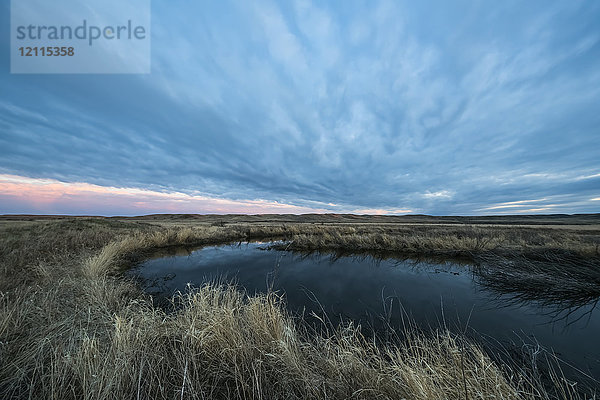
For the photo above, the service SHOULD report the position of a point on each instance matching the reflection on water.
(564, 288)
(382, 292)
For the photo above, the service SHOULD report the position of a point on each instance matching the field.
(72, 326)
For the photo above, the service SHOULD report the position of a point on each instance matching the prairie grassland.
(71, 326)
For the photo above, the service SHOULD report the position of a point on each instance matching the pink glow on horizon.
(24, 195)
(380, 211)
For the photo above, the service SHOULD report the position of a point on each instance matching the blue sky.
(358, 106)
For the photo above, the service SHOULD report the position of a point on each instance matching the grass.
(468, 240)
(71, 326)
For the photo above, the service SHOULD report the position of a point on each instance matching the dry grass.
(449, 240)
(223, 344)
(72, 327)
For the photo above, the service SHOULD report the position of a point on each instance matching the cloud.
(377, 106)
(445, 194)
(28, 195)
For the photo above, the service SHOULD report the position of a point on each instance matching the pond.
(380, 293)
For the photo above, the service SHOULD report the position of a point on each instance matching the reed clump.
(448, 240)
(225, 344)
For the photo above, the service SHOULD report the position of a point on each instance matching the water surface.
(386, 293)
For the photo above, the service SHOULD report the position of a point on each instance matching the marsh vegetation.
(72, 325)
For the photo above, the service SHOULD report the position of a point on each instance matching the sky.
(370, 107)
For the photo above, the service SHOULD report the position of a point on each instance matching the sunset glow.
(50, 196)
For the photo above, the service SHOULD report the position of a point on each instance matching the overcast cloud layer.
(429, 107)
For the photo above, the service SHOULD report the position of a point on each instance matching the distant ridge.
(547, 219)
